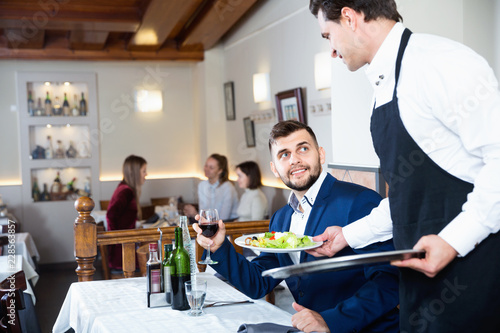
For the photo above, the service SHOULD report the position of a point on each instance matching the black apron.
(424, 198)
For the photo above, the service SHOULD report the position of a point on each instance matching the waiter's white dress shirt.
(449, 103)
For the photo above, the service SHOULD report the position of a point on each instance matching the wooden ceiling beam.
(28, 25)
(17, 39)
(87, 40)
(218, 18)
(115, 54)
(162, 19)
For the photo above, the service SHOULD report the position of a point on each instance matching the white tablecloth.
(12, 264)
(120, 306)
(26, 247)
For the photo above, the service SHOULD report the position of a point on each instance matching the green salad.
(279, 240)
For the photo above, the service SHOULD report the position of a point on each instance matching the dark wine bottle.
(167, 268)
(83, 106)
(31, 105)
(48, 105)
(66, 109)
(35, 191)
(153, 275)
(180, 273)
(56, 185)
(45, 196)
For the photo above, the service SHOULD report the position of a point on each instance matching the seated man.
(361, 299)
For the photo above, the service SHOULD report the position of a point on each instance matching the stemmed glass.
(209, 224)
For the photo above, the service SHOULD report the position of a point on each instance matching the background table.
(120, 306)
(26, 247)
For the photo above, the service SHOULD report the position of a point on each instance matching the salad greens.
(280, 240)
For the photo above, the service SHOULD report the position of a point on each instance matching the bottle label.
(166, 279)
(155, 281)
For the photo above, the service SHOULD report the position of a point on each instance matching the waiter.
(435, 127)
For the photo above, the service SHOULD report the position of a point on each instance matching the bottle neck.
(178, 239)
(153, 256)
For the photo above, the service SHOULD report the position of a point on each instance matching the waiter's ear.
(350, 16)
(273, 169)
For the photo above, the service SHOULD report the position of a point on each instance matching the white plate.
(240, 241)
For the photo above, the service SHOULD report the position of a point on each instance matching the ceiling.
(115, 29)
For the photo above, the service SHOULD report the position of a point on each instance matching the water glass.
(196, 291)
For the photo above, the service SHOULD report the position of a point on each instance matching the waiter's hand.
(308, 320)
(334, 241)
(438, 254)
(216, 241)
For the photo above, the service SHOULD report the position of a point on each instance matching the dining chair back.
(12, 301)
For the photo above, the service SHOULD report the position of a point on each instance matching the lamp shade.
(261, 88)
(148, 101)
(322, 70)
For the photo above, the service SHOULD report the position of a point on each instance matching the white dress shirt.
(253, 205)
(223, 198)
(449, 103)
(299, 218)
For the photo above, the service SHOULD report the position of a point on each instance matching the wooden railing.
(88, 239)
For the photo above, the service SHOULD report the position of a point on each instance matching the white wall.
(281, 39)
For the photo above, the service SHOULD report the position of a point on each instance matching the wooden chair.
(88, 237)
(104, 204)
(11, 294)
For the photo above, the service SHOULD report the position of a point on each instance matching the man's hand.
(216, 241)
(335, 242)
(307, 320)
(438, 254)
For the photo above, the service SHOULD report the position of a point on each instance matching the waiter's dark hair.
(285, 128)
(372, 9)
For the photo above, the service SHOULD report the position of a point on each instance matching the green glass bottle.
(180, 273)
(167, 268)
(35, 192)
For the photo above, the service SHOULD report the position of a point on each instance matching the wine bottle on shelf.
(153, 273)
(75, 111)
(45, 196)
(65, 107)
(83, 106)
(71, 152)
(57, 108)
(31, 105)
(180, 273)
(167, 267)
(35, 191)
(39, 111)
(49, 150)
(56, 185)
(59, 153)
(186, 238)
(48, 105)
(70, 185)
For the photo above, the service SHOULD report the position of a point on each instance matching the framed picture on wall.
(229, 100)
(289, 105)
(249, 131)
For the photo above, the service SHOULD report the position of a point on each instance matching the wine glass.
(209, 224)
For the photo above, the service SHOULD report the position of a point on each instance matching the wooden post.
(85, 239)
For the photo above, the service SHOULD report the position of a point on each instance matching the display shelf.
(57, 138)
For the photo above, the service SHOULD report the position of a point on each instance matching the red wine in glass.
(209, 229)
(209, 224)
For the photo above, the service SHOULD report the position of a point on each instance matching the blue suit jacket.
(362, 299)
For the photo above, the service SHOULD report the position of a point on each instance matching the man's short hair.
(285, 128)
(372, 9)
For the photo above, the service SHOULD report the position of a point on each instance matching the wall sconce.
(261, 88)
(323, 70)
(148, 101)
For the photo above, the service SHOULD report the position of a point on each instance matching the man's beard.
(313, 177)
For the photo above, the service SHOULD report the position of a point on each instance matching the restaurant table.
(120, 306)
(26, 247)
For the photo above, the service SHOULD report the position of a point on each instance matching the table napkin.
(266, 328)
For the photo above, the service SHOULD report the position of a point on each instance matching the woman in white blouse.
(253, 202)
